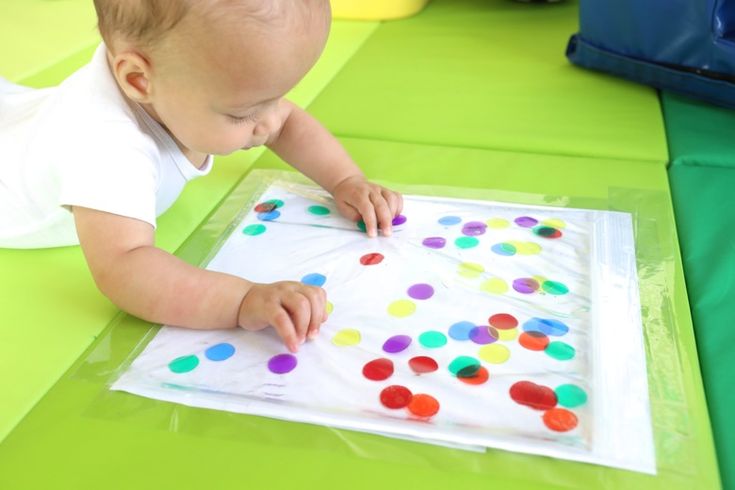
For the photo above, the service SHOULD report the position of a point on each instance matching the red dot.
(503, 321)
(533, 340)
(423, 405)
(532, 395)
(423, 364)
(371, 259)
(481, 376)
(265, 207)
(560, 419)
(378, 369)
(395, 396)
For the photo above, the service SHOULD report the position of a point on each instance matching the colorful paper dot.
(555, 288)
(183, 364)
(449, 220)
(269, 216)
(505, 249)
(570, 395)
(497, 223)
(470, 270)
(526, 222)
(535, 341)
(494, 353)
(314, 279)
(530, 394)
(494, 285)
(461, 330)
(547, 232)
(464, 366)
(560, 351)
(554, 223)
(466, 242)
(435, 242)
(268, 206)
(318, 210)
(371, 259)
(503, 321)
(361, 226)
(560, 420)
(422, 364)
(282, 363)
(402, 308)
(432, 339)
(507, 335)
(547, 326)
(526, 285)
(254, 230)
(395, 396)
(421, 291)
(378, 369)
(480, 377)
(482, 335)
(347, 337)
(527, 248)
(474, 228)
(329, 308)
(220, 352)
(423, 405)
(397, 343)
(398, 220)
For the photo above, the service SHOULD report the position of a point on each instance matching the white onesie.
(81, 144)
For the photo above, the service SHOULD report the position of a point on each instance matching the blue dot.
(314, 279)
(461, 330)
(269, 216)
(449, 220)
(220, 352)
(546, 326)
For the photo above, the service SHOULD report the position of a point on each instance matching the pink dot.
(526, 285)
(421, 291)
(434, 242)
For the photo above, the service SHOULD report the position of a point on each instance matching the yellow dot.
(539, 279)
(402, 307)
(506, 335)
(347, 336)
(494, 286)
(494, 353)
(470, 269)
(330, 308)
(527, 248)
(497, 223)
(554, 223)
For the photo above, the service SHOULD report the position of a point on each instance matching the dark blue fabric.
(682, 45)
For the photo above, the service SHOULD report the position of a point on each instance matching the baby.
(95, 160)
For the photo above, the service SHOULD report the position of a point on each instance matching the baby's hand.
(356, 197)
(295, 310)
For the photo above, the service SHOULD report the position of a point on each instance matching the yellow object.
(376, 9)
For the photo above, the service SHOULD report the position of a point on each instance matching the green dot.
(560, 351)
(319, 210)
(277, 203)
(253, 230)
(570, 396)
(464, 366)
(466, 242)
(183, 364)
(361, 226)
(432, 339)
(556, 288)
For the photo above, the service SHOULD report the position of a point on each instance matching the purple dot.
(282, 363)
(398, 220)
(474, 228)
(481, 335)
(434, 242)
(526, 285)
(397, 343)
(421, 291)
(526, 221)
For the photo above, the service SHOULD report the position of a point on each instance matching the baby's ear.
(132, 72)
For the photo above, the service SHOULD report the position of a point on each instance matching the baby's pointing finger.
(281, 322)
(382, 211)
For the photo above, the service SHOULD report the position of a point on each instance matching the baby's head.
(212, 71)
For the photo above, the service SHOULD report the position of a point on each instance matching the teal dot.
(561, 351)
(555, 288)
(183, 364)
(277, 203)
(319, 210)
(505, 249)
(464, 366)
(253, 230)
(570, 395)
(361, 226)
(432, 339)
(466, 242)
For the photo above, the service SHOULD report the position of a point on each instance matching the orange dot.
(533, 340)
(560, 419)
(423, 405)
(478, 378)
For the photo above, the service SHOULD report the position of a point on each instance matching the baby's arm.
(159, 287)
(306, 145)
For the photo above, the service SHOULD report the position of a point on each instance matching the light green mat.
(49, 294)
(490, 74)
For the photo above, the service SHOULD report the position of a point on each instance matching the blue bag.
(687, 46)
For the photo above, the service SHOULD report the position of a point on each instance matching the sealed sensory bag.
(687, 46)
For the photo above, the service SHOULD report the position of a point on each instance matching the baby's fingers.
(318, 300)
(281, 322)
(394, 200)
(383, 213)
(367, 211)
